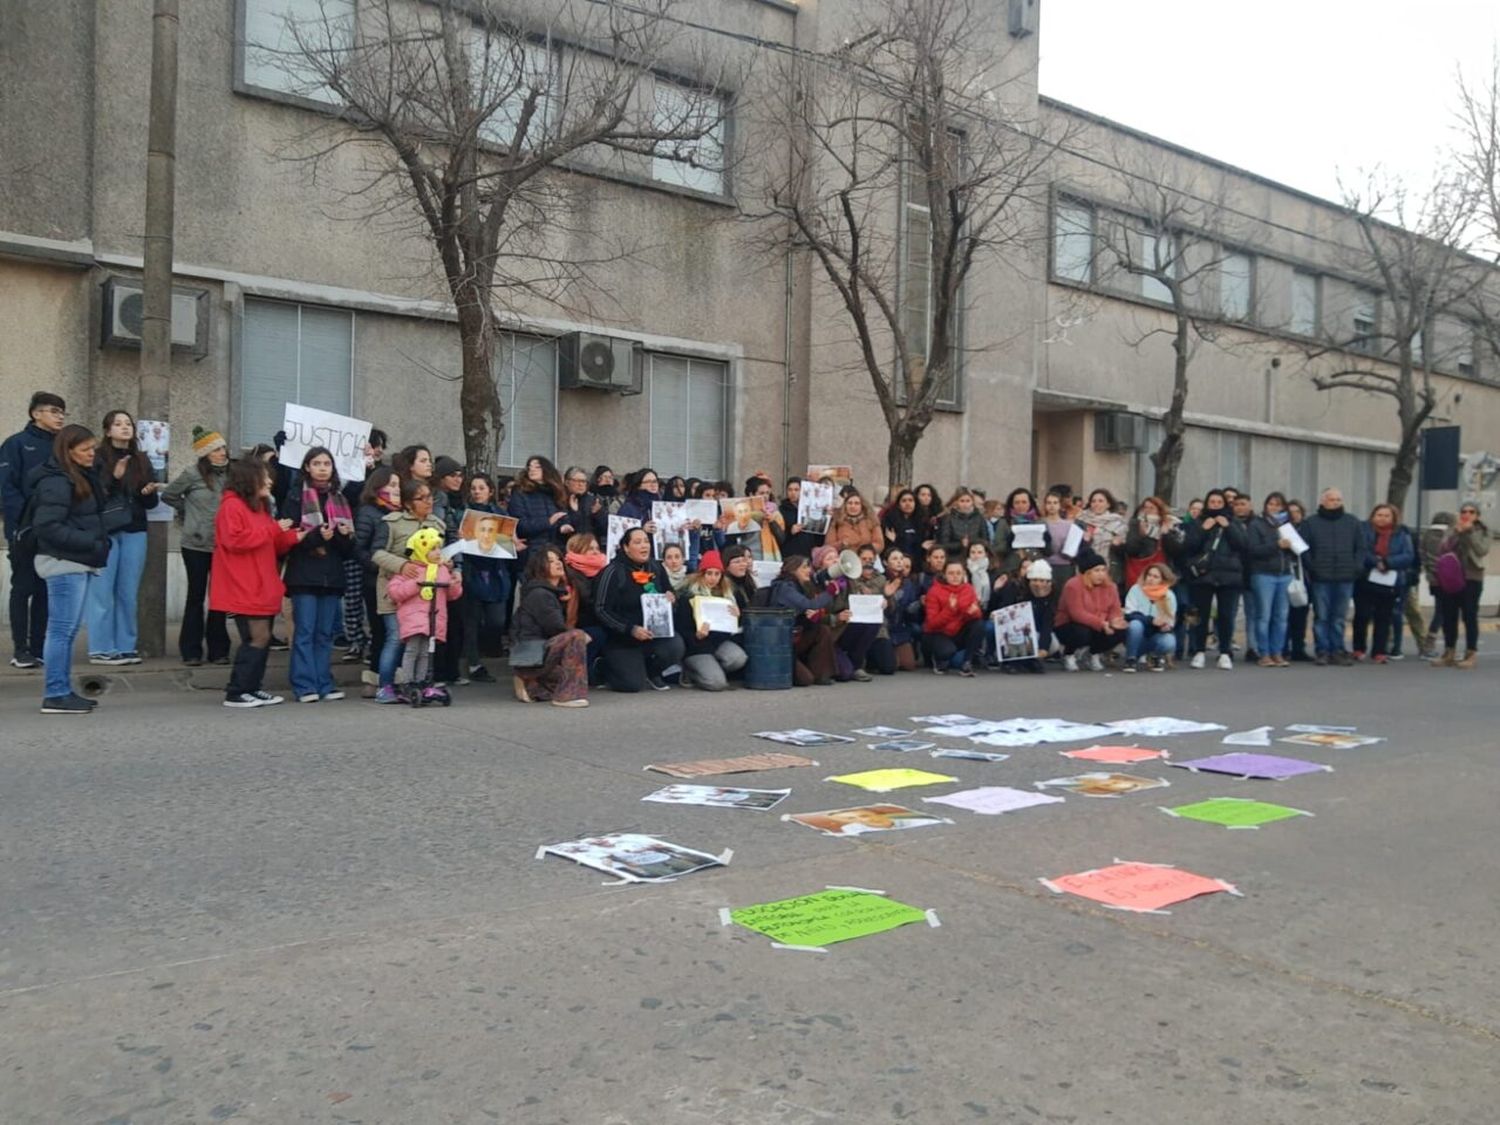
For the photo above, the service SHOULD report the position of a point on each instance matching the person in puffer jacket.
(962, 525)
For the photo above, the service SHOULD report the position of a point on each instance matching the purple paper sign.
(1254, 765)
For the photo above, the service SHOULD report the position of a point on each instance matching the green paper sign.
(826, 917)
(1236, 812)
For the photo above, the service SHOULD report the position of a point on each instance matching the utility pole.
(156, 334)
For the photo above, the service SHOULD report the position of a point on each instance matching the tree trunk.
(1166, 460)
(480, 410)
(900, 454)
(1168, 456)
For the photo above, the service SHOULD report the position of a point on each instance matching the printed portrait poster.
(155, 440)
(1015, 632)
(743, 516)
(671, 518)
(840, 475)
(618, 526)
(633, 857)
(488, 534)
(814, 503)
(656, 615)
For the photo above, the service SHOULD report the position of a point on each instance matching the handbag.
(1200, 565)
(1296, 589)
(528, 653)
(115, 514)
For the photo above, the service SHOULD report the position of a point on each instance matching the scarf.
(676, 577)
(1157, 594)
(979, 578)
(315, 499)
(1383, 541)
(385, 505)
(587, 565)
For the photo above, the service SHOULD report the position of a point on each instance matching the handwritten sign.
(1235, 812)
(1141, 887)
(826, 917)
(307, 428)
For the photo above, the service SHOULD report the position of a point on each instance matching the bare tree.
(906, 170)
(466, 122)
(1478, 155)
(1424, 292)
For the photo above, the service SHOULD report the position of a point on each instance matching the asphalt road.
(334, 914)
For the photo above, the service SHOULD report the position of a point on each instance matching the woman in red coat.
(953, 623)
(245, 579)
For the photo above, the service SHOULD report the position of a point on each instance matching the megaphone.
(849, 564)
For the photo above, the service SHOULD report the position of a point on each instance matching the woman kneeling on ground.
(548, 651)
(712, 656)
(1089, 614)
(633, 656)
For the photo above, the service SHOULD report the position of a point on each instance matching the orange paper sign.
(1138, 886)
(1115, 755)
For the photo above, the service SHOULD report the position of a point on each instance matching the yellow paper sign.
(883, 781)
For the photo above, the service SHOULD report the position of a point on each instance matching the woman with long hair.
(1270, 564)
(1019, 508)
(539, 503)
(903, 529)
(1468, 541)
(549, 650)
(130, 491)
(633, 656)
(246, 577)
(314, 574)
(195, 495)
(72, 547)
(584, 561)
(485, 606)
(1059, 525)
(1150, 537)
(853, 526)
(1151, 619)
(812, 642)
(711, 656)
(380, 496)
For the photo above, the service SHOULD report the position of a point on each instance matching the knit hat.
(1087, 560)
(821, 556)
(710, 561)
(1039, 571)
(444, 465)
(206, 441)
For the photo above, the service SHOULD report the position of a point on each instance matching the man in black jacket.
(1334, 560)
(19, 455)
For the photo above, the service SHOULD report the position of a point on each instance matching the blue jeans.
(390, 652)
(1330, 608)
(1250, 599)
(1141, 636)
(110, 614)
(1269, 626)
(66, 595)
(315, 620)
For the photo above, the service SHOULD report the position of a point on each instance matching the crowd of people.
(367, 567)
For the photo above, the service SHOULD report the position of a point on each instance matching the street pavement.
(334, 913)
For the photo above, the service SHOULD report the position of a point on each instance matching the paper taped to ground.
(747, 763)
(992, 800)
(884, 781)
(1159, 726)
(946, 720)
(863, 819)
(1260, 736)
(883, 732)
(718, 797)
(821, 919)
(971, 755)
(1235, 812)
(1332, 741)
(1103, 784)
(1313, 728)
(1145, 888)
(1115, 755)
(902, 745)
(1240, 764)
(1033, 732)
(634, 858)
(802, 737)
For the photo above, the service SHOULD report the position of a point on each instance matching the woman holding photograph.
(195, 495)
(130, 490)
(712, 657)
(485, 605)
(315, 574)
(634, 657)
(549, 653)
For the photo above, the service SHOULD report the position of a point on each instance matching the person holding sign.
(713, 654)
(1389, 554)
(314, 574)
(633, 657)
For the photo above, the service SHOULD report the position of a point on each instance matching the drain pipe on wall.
(786, 374)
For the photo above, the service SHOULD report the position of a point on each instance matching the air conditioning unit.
(123, 310)
(1119, 433)
(1023, 16)
(588, 361)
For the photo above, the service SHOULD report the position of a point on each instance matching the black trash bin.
(768, 644)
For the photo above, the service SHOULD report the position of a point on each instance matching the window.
(689, 415)
(1234, 459)
(289, 43)
(1302, 474)
(526, 377)
(301, 354)
(1362, 321)
(1305, 319)
(696, 162)
(1235, 273)
(1156, 255)
(1072, 241)
(1363, 488)
(1463, 354)
(504, 71)
(917, 286)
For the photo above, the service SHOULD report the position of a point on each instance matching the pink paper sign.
(1117, 755)
(1142, 887)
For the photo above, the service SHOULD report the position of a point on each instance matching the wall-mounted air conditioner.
(588, 361)
(1115, 432)
(123, 309)
(1022, 18)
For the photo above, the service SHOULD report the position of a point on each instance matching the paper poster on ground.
(883, 732)
(885, 781)
(306, 428)
(971, 755)
(1333, 741)
(864, 819)
(1115, 755)
(1015, 632)
(814, 503)
(488, 535)
(1160, 726)
(618, 526)
(1235, 812)
(1270, 767)
(837, 914)
(718, 796)
(1103, 784)
(1145, 888)
(803, 737)
(902, 745)
(635, 858)
(746, 763)
(992, 800)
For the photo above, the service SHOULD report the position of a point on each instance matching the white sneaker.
(1096, 662)
(333, 695)
(1197, 661)
(1070, 663)
(309, 697)
(1226, 663)
(267, 699)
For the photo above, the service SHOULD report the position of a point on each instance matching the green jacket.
(389, 555)
(197, 503)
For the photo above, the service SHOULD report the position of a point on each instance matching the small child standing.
(422, 609)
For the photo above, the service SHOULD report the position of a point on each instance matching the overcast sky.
(1295, 91)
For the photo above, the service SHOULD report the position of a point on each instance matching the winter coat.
(67, 527)
(20, 456)
(617, 596)
(1004, 539)
(583, 590)
(1142, 549)
(902, 613)
(1336, 546)
(955, 527)
(910, 532)
(127, 488)
(414, 616)
(1137, 604)
(533, 512)
(389, 555)
(370, 534)
(1227, 562)
(801, 543)
(1470, 546)
(196, 499)
(1401, 552)
(1090, 606)
(850, 535)
(637, 506)
(1043, 610)
(941, 617)
(787, 593)
(315, 565)
(245, 578)
(1263, 551)
(541, 614)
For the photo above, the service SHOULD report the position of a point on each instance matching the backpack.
(1449, 572)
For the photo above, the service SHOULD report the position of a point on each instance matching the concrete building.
(284, 296)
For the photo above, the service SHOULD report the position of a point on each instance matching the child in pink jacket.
(415, 599)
